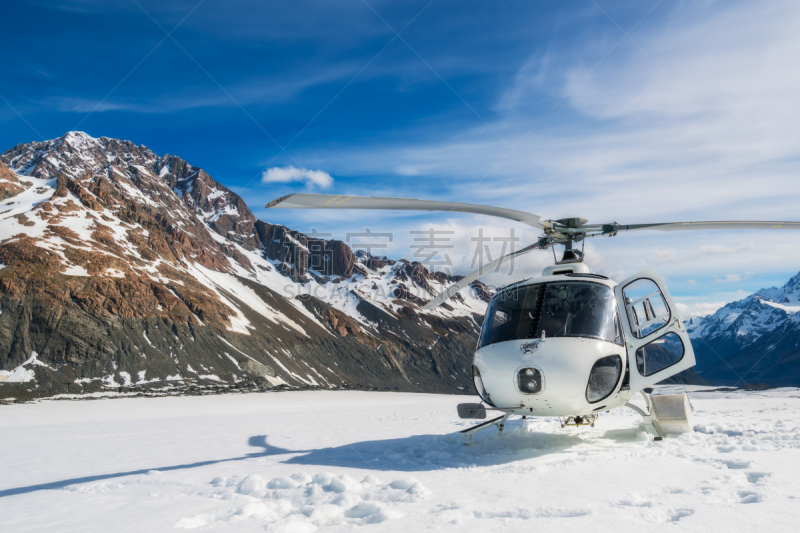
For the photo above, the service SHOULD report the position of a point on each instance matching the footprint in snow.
(748, 496)
(755, 477)
(680, 513)
(736, 464)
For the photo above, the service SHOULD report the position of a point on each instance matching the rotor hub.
(572, 222)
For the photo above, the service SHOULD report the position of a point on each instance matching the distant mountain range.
(126, 270)
(755, 340)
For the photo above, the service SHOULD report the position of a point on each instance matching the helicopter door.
(655, 338)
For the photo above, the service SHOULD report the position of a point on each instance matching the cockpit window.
(511, 315)
(561, 309)
(579, 310)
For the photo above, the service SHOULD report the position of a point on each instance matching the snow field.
(353, 461)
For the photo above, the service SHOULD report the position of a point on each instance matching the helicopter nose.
(561, 376)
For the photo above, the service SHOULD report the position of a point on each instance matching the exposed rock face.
(128, 270)
(9, 183)
(299, 253)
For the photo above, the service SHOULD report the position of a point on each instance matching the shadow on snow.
(437, 452)
(408, 454)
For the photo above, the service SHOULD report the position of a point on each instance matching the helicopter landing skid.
(467, 434)
(585, 420)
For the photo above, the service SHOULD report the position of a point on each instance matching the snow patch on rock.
(21, 374)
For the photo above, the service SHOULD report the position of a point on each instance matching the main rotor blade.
(445, 295)
(724, 224)
(333, 201)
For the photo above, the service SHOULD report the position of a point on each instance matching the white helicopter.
(569, 343)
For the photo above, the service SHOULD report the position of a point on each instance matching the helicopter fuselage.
(562, 345)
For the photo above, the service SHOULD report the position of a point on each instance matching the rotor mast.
(566, 231)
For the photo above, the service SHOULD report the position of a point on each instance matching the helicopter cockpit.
(553, 309)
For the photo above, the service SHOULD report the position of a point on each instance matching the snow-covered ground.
(344, 461)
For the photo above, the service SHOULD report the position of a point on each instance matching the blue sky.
(624, 111)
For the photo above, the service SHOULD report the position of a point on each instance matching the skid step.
(467, 434)
(666, 413)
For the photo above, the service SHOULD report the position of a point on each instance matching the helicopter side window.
(659, 354)
(510, 315)
(647, 309)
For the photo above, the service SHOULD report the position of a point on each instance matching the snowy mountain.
(124, 269)
(754, 340)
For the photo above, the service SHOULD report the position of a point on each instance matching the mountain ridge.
(752, 340)
(116, 259)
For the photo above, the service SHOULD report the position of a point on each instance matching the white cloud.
(291, 174)
(406, 170)
(659, 257)
(728, 278)
(698, 309)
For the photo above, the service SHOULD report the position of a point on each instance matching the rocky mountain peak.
(789, 293)
(755, 336)
(118, 262)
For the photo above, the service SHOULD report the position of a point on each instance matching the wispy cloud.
(701, 125)
(292, 174)
(659, 256)
(729, 278)
(275, 89)
(698, 309)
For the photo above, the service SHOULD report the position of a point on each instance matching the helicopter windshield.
(559, 309)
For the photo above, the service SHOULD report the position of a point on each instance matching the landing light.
(529, 380)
